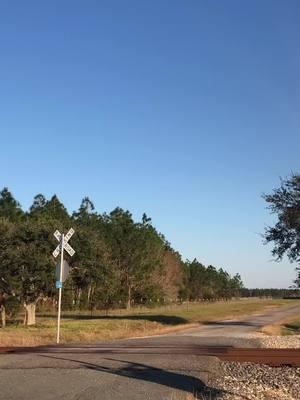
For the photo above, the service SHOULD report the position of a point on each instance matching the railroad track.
(272, 357)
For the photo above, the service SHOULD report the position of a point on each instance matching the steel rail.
(272, 357)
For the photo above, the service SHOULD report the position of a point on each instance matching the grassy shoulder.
(289, 326)
(86, 328)
(292, 327)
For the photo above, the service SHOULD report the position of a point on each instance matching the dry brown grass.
(83, 328)
(272, 330)
(82, 332)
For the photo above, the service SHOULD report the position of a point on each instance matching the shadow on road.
(230, 323)
(173, 380)
(163, 319)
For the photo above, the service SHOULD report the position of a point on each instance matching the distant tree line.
(273, 293)
(118, 261)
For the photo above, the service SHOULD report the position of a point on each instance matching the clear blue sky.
(187, 110)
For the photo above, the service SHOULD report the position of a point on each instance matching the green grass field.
(84, 328)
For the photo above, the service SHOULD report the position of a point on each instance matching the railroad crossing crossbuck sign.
(62, 269)
(66, 245)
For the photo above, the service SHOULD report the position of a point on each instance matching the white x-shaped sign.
(66, 245)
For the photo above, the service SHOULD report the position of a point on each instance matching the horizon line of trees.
(275, 293)
(118, 262)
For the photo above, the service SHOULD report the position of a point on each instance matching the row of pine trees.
(118, 262)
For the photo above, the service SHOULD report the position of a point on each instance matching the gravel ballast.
(260, 382)
(275, 342)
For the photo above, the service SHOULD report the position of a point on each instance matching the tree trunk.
(29, 318)
(129, 298)
(79, 297)
(3, 316)
(89, 295)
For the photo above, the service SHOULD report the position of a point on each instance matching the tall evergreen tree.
(284, 202)
(93, 274)
(9, 207)
(38, 205)
(136, 250)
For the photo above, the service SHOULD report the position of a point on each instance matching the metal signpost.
(62, 269)
(65, 272)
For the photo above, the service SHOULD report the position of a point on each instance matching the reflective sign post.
(63, 245)
(60, 288)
